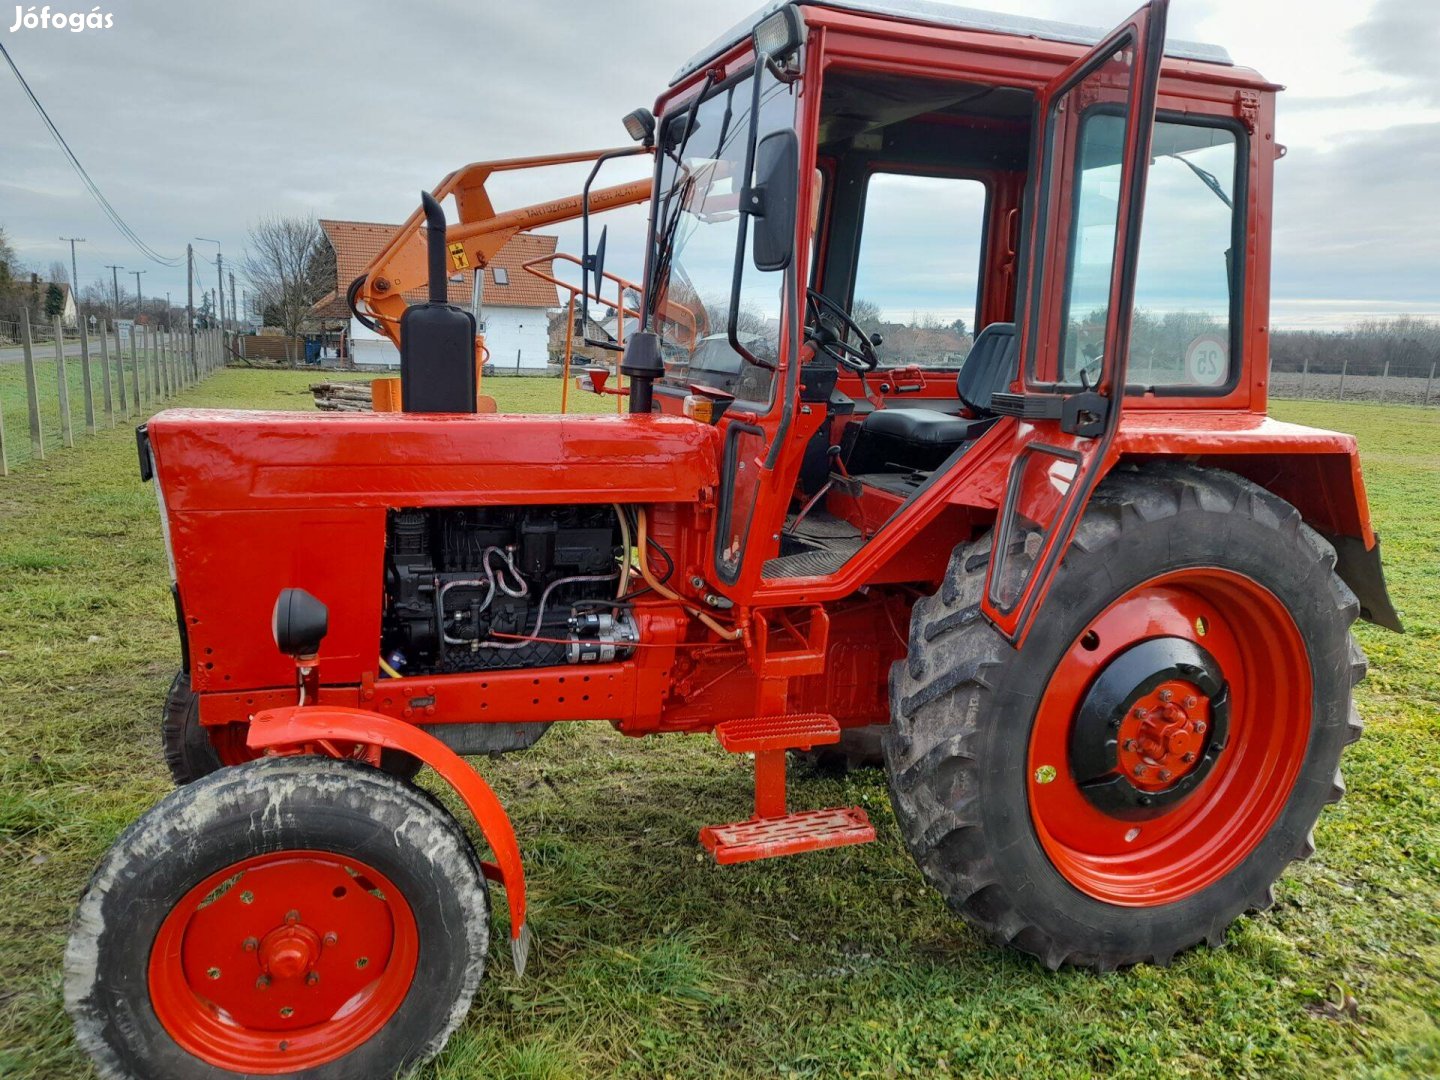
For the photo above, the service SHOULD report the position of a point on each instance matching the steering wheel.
(860, 357)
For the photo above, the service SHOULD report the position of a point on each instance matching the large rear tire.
(1141, 771)
(288, 916)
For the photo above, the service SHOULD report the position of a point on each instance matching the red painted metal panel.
(227, 460)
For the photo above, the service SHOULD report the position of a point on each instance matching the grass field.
(651, 962)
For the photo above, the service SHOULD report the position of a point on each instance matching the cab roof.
(947, 15)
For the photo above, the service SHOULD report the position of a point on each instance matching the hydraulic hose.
(662, 590)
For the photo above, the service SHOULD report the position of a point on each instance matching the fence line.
(1387, 382)
(161, 365)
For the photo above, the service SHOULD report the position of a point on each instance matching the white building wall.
(512, 331)
(508, 331)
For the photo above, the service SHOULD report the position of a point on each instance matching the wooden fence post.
(155, 369)
(1384, 381)
(4, 457)
(135, 365)
(86, 381)
(1304, 375)
(32, 392)
(1428, 381)
(67, 436)
(1344, 367)
(120, 375)
(105, 374)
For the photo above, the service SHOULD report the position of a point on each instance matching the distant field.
(649, 961)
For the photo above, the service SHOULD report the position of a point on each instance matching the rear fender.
(295, 725)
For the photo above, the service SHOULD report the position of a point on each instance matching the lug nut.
(250, 944)
(1139, 770)
(292, 917)
(1166, 695)
(1191, 701)
(1164, 774)
(262, 983)
(312, 978)
(1198, 727)
(331, 938)
(1189, 757)
(1141, 712)
(1129, 744)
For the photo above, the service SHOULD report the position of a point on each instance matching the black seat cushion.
(921, 439)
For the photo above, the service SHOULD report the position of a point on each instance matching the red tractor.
(1091, 604)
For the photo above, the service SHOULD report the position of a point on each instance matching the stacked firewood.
(341, 396)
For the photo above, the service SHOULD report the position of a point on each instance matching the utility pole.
(138, 309)
(234, 311)
(74, 273)
(115, 280)
(190, 305)
(220, 276)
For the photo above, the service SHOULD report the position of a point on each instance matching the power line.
(90, 185)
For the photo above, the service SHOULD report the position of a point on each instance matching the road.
(13, 354)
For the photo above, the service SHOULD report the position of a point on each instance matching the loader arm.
(379, 293)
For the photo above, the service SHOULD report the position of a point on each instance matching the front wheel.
(1144, 767)
(288, 916)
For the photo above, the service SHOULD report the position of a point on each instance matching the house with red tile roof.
(513, 312)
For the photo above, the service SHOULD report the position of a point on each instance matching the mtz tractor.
(1088, 601)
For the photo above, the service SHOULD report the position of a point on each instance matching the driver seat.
(919, 440)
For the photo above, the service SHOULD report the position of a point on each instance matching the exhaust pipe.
(437, 339)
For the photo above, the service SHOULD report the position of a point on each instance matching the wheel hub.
(289, 951)
(1150, 727)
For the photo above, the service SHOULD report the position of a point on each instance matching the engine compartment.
(497, 587)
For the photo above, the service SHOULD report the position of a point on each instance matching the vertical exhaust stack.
(437, 338)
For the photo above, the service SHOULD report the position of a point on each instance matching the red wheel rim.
(283, 962)
(1190, 845)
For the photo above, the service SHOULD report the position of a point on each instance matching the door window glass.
(917, 277)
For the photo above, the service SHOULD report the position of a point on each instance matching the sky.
(197, 118)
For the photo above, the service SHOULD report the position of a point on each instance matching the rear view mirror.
(773, 201)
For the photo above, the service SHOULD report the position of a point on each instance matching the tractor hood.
(233, 460)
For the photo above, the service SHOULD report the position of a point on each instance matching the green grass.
(649, 961)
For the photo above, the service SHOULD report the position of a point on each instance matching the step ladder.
(774, 831)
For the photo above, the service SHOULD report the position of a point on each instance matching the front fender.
(295, 725)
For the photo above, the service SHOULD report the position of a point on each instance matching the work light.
(779, 34)
(640, 125)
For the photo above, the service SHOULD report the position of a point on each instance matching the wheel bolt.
(1189, 757)
(1129, 744)
(250, 944)
(292, 917)
(1139, 770)
(1141, 712)
(1198, 727)
(262, 983)
(1164, 774)
(1191, 701)
(1166, 695)
(331, 938)
(312, 978)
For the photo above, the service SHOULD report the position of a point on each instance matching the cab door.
(1091, 159)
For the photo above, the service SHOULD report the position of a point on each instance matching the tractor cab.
(885, 233)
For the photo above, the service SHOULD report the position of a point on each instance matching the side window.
(1188, 278)
(917, 277)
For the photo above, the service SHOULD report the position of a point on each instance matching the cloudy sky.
(196, 118)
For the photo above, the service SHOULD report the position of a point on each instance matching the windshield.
(693, 255)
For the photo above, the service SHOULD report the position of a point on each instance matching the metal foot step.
(790, 834)
(792, 731)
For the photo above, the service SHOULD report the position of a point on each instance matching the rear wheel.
(1141, 771)
(287, 916)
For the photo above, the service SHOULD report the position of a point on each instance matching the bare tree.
(286, 264)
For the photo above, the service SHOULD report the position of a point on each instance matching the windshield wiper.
(667, 221)
(1207, 178)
